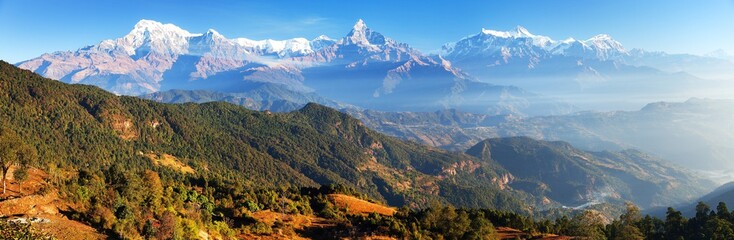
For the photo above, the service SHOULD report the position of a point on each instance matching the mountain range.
(599, 67)
(364, 68)
(492, 72)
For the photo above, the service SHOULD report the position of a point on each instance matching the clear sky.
(29, 28)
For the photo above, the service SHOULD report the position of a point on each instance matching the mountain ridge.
(558, 171)
(384, 72)
(492, 72)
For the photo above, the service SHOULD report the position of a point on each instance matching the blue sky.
(30, 28)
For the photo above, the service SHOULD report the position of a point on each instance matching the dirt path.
(41, 210)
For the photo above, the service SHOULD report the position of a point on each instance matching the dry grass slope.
(358, 206)
(169, 161)
(31, 204)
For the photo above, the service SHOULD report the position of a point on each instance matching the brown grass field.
(355, 205)
(169, 161)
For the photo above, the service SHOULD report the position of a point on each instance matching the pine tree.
(723, 212)
(718, 229)
(675, 224)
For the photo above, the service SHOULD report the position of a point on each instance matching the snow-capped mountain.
(520, 48)
(136, 63)
(363, 68)
(575, 69)
(520, 43)
(518, 57)
(367, 69)
(361, 43)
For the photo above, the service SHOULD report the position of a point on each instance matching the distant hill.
(560, 172)
(260, 96)
(724, 193)
(700, 130)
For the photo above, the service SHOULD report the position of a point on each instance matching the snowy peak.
(601, 37)
(569, 40)
(281, 48)
(358, 35)
(213, 34)
(605, 47)
(158, 30)
(322, 38)
(321, 42)
(520, 42)
(518, 32)
(521, 31)
(211, 38)
(496, 33)
(606, 42)
(363, 36)
(360, 26)
(152, 36)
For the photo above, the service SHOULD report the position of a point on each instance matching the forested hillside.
(105, 149)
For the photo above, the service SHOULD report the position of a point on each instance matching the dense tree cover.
(446, 222)
(706, 224)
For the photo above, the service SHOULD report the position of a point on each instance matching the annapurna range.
(366, 69)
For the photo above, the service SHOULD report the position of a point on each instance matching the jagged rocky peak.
(362, 35)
